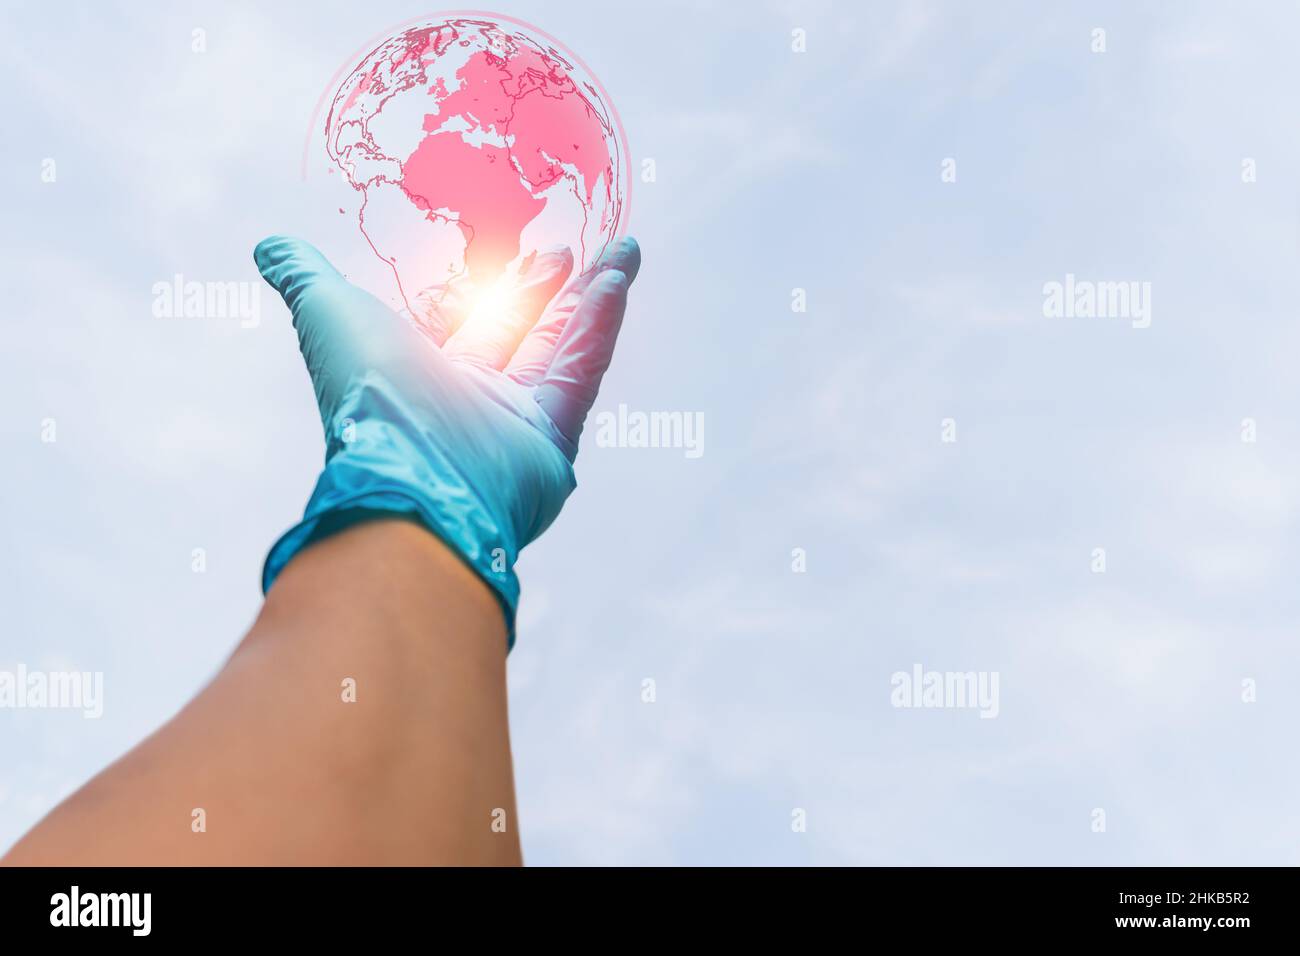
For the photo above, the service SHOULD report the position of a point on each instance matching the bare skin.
(363, 718)
(286, 771)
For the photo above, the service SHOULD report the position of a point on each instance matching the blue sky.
(775, 170)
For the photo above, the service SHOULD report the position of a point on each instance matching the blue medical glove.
(465, 421)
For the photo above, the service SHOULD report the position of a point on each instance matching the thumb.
(293, 268)
(325, 311)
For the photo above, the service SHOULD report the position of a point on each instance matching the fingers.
(583, 353)
(538, 347)
(501, 319)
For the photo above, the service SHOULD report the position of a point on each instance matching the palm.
(495, 389)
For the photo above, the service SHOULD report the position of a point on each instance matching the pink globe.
(474, 143)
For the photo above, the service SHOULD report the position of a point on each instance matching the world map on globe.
(473, 144)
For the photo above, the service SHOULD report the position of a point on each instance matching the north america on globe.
(471, 145)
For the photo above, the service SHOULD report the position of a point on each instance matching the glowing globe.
(472, 144)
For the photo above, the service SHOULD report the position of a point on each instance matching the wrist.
(361, 485)
(380, 571)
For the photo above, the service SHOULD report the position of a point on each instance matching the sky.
(921, 469)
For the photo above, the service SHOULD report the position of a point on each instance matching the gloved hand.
(467, 423)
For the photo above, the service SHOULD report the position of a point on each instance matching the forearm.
(287, 767)
(474, 431)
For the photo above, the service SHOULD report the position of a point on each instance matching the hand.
(464, 420)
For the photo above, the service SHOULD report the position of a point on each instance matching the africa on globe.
(471, 144)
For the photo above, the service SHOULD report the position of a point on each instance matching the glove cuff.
(357, 486)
